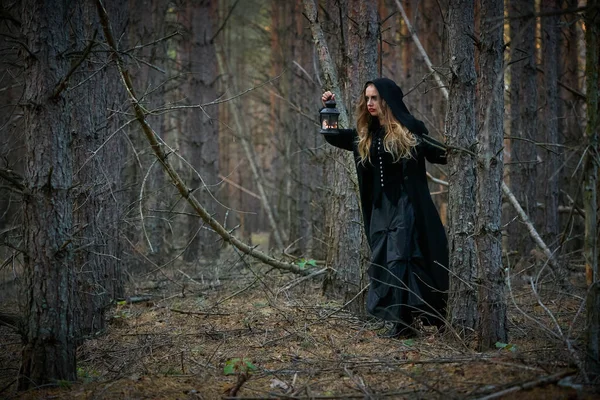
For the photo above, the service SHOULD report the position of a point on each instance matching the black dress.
(401, 289)
(409, 263)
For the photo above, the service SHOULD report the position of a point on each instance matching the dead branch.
(242, 378)
(524, 218)
(302, 279)
(138, 299)
(415, 38)
(62, 85)
(141, 206)
(162, 157)
(235, 185)
(531, 384)
(207, 313)
(532, 231)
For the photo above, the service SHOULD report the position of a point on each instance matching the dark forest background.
(140, 138)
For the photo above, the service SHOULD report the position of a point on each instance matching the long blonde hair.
(398, 140)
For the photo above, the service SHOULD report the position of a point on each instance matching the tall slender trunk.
(490, 169)
(523, 118)
(460, 128)
(199, 135)
(49, 339)
(550, 121)
(343, 229)
(12, 138)
(590, 188)
(97, 164)
(571, 109)
(146, 24)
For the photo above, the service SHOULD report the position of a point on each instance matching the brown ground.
(303, 345)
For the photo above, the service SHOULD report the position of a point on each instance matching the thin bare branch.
(415, 38)
(65, 81)
(162, 157)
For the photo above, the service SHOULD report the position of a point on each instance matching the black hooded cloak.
(408, 270)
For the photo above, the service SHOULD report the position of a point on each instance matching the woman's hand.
(327, 96)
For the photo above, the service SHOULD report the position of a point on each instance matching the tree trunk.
(523, 117)
(297, 167)
(550, 121)
(360, 63)
(343, 228)
(13, 164)
(97, 164)
(460, 128)
(571, 110)
(590, 188)
(148, 233)
(199, 135)
(490, 169)
(49, 338)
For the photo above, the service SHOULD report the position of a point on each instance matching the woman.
(408, 271)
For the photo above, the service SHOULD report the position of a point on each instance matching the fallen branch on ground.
(528, 385)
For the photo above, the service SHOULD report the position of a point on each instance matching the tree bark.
(523, 118)
(97, 196)
(49, 339)
(549, 183)
(490, 170)
(11, 128)
(149, 234)
(590, 188)
(344, 230)
(460, 128)
(199, 133)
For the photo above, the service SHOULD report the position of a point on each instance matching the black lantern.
(329, 117)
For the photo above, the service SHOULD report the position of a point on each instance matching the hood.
(392, 94)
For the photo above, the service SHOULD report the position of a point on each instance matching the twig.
(242, 378)
(63, 83)
(529, 317)
(415, 38)
(235, 185)
(193, 312)
(141, 205)
(346, 304)
(141, 46)
(138, 299)
(304, 278)
(215, 102)
(531, 384)
(224, 21)
(235, 294)
(560, 333)
(532, 231)
(189, 277)
(359, 382)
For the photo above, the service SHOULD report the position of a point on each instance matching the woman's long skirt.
(401, 289)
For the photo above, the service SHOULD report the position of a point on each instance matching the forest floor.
(251, 333)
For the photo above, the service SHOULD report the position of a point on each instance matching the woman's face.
(373, 100)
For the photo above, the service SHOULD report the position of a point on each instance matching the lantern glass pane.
(333, 121)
